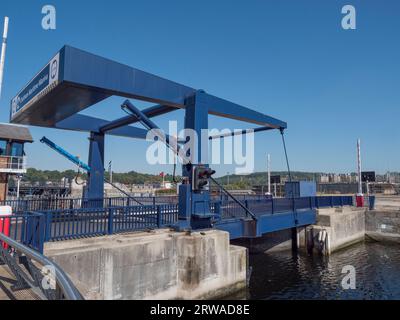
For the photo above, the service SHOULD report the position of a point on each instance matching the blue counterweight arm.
(150, 125)
(65, 154)
(79, 163)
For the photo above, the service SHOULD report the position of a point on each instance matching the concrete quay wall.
(161, 264)
(383, 225)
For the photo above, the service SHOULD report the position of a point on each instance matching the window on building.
(3, 147)
(17, 149)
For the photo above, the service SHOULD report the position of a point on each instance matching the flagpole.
(3, 52)
(110, 171)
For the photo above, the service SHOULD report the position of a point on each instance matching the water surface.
(284, 275)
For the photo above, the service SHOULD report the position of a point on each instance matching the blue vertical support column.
(194, 207)
(196, 118)
(184, 207)
(95, 188)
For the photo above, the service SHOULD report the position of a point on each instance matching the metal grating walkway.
(7, 279)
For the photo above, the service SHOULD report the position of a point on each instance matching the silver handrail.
(68, 289)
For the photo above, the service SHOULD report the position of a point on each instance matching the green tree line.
(132, 177)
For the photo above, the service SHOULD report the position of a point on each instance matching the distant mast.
(3, 52)
(359, 167)
(269, 173)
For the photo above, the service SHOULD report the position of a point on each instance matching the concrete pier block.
(336, 228)
(161, 264)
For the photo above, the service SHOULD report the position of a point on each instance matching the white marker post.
(360, 196)
(3, 52)
(269, 174)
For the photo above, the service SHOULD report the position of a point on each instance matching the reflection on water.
(284, 275)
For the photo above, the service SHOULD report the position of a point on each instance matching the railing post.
(42, 232)
(47, 219)
(272, 206)
(371, 202)
(246, 204)
(110, 220)
(217, 208)
(159, 217)
(109, 203)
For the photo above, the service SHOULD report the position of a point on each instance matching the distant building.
(324, 179)
(12, 154)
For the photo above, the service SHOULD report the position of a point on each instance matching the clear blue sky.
(288, 59)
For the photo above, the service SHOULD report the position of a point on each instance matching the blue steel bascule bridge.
(74, 80)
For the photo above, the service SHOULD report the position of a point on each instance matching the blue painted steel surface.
(227, 109)
(83, 79)
(71, 218)
(185, 210)
(95, 169)
(240, 132)
(27, 228)
(124, 121)
(65, 153)
(45, 204)
(44, 82)
(273, 215)
(118, 215)
(95, 187)
(77, 79)
(299, 189)
(91, 222)
(80, 122)
(196, 119)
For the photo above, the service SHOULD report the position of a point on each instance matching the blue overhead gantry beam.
(74, 80)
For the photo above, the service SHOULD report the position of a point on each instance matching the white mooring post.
(360, 196)
(3, 52)
(359, 167)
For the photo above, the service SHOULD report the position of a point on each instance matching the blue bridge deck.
(76, 218)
